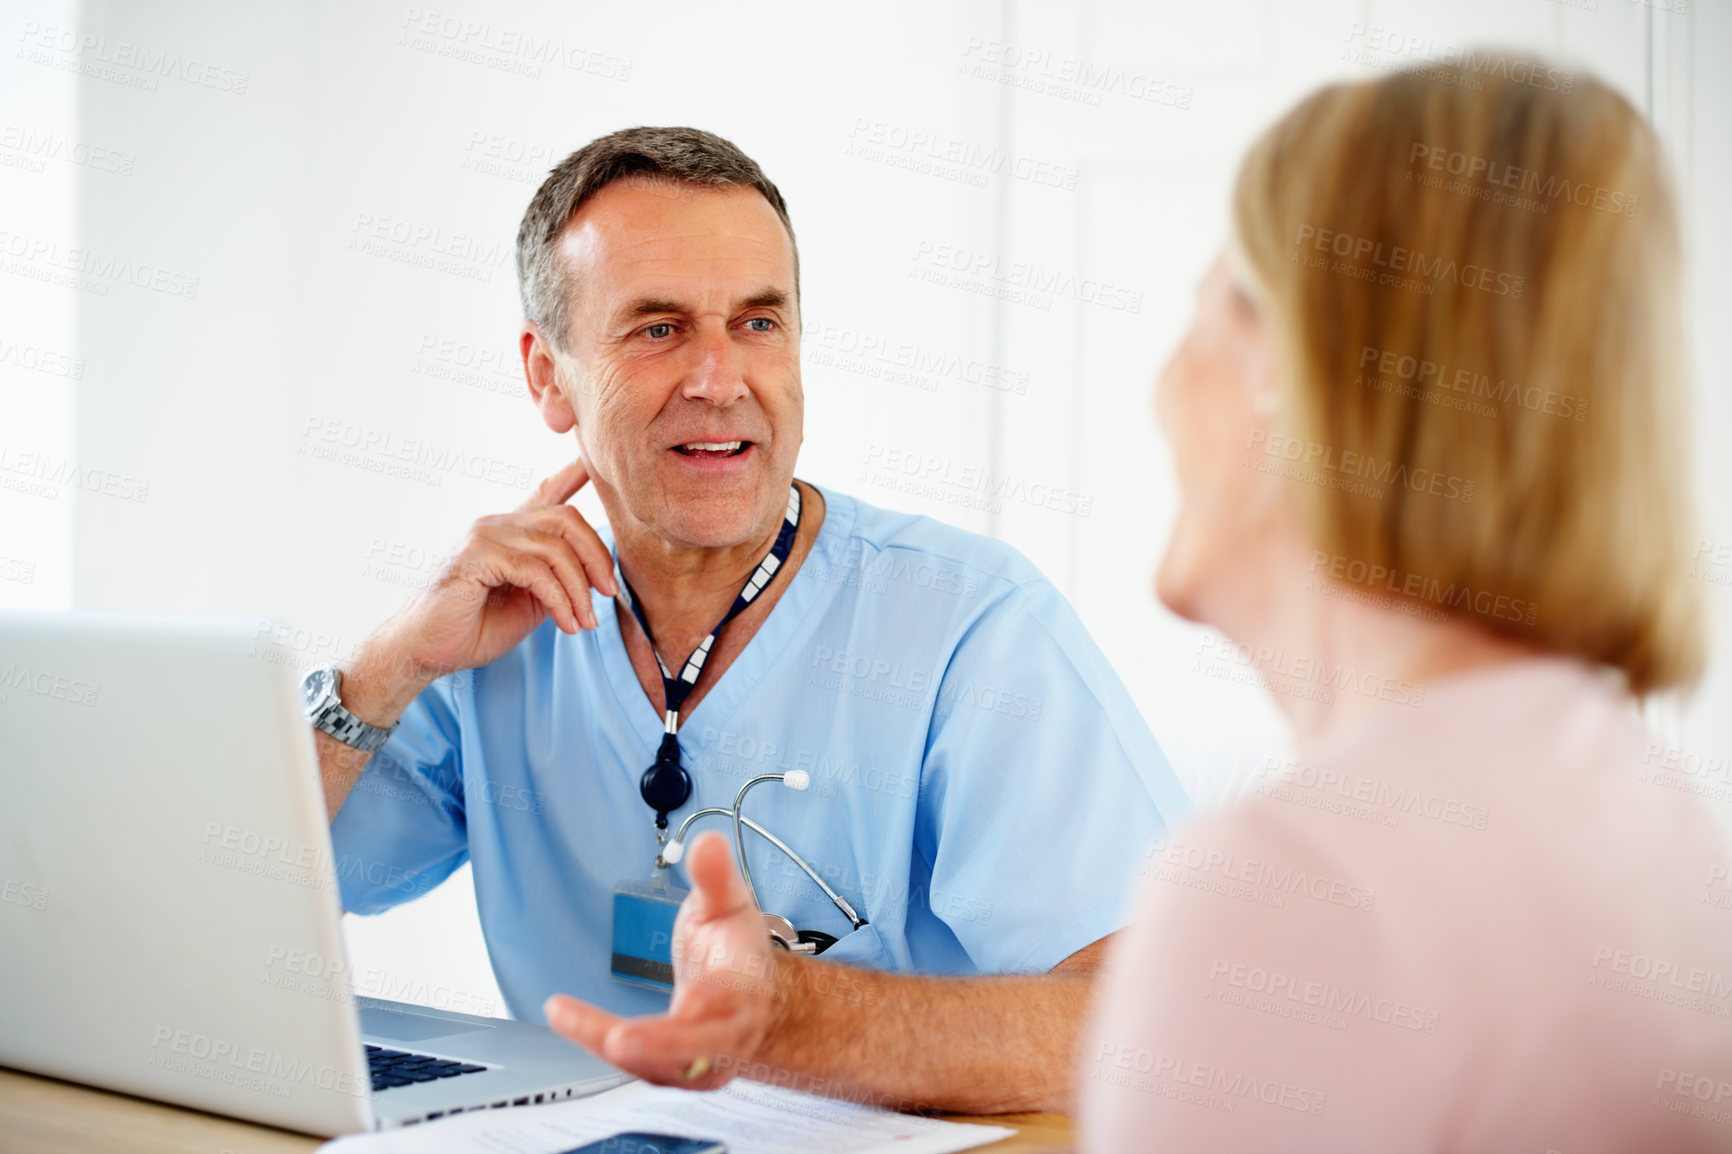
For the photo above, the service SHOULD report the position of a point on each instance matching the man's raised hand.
(723, 1003)
(512, 572)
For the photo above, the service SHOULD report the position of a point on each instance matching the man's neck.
(685, 590)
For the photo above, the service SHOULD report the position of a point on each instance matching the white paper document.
(749, 1117)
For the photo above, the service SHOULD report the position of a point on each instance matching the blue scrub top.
(982, 789)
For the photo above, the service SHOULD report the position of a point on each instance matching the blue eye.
(766, 322)
(658, 331)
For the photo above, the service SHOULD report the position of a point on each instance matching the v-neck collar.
(748, 668)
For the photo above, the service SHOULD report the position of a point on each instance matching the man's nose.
(715, 374)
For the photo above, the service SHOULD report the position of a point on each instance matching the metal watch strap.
(331, 718)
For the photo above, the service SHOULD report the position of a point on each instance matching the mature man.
(981, 785)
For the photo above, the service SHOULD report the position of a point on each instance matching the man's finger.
(556, 552)
(718, 890)
(560, 487)
(592, 551)
(661, 1048)
(654, 1048)
(527, 571)
(583, 1023)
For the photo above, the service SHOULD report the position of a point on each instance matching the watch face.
(314, 687)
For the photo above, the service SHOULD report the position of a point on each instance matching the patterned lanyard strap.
(666, 785)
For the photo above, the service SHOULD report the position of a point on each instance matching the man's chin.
(711, 536)
(718, 520)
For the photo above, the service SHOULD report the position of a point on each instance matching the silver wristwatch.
(325, 710)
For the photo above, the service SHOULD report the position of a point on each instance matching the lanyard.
(666, 785)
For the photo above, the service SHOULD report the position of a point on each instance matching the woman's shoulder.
(1523, 828)
(1428, 916)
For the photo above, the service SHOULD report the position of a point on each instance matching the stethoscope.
(782, 932)
(666, 786)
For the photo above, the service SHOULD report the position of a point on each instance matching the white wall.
(44, 161)
(264, 170)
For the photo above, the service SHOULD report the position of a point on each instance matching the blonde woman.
(1429, 442)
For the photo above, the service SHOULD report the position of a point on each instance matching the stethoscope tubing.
(839, 901)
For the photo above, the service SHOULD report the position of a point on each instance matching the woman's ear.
(546, 385)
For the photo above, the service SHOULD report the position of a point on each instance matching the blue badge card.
(643, 933)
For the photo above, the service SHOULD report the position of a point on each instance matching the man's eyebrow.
(651, 306)
(768, 299)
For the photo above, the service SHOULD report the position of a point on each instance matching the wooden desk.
(43, 1116)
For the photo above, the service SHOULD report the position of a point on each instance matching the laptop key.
(393, 1068)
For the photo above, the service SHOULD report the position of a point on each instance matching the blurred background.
(258, 313)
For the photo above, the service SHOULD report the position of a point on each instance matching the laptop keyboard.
(393, 1068)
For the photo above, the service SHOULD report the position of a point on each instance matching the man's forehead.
(634, 238)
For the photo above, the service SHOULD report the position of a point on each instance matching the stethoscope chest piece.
(783, 936)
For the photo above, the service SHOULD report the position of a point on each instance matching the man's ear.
(545, 387)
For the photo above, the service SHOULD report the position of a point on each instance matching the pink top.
(1500, 921)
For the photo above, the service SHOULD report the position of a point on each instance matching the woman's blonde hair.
(1475, 282)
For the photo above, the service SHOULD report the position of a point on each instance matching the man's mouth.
(712, 450)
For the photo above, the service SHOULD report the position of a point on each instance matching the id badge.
(643, 932)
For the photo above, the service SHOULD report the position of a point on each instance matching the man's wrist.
(784, 989)
(378, 685)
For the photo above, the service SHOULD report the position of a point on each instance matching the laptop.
(169, 917)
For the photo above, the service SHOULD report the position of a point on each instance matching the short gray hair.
(678, 157)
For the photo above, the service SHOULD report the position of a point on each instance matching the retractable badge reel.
(644, 910)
